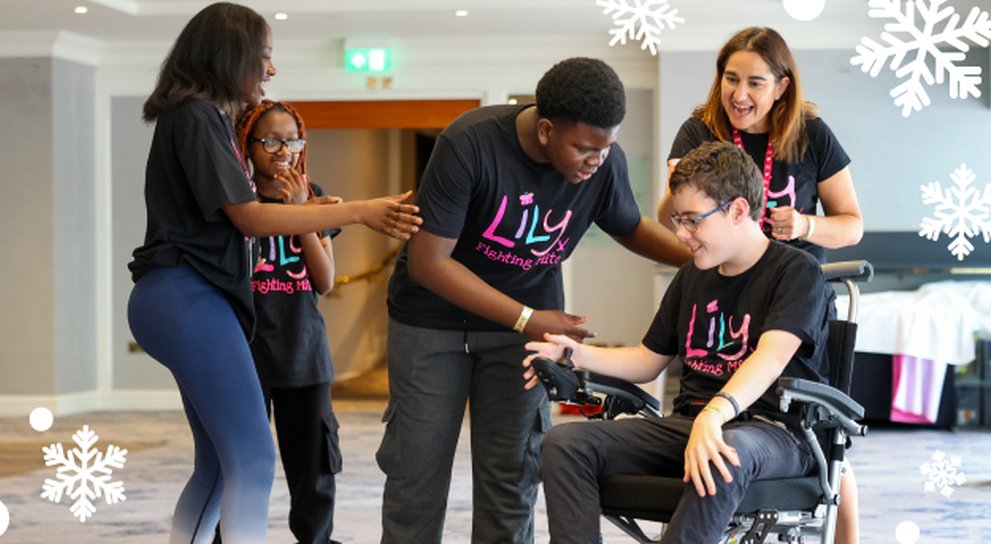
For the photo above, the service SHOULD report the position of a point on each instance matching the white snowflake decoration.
(962, 212)
(84, 474)
(942, 474)
(910, 53)
(639, 20)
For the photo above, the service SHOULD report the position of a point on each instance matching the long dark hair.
(789, 113)
(215, 56)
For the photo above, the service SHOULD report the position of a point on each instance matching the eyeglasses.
(274, 145)
(691, 224)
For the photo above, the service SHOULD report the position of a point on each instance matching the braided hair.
(247, 121)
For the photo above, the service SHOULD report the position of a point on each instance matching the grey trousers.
(576, 455)
(432, 375)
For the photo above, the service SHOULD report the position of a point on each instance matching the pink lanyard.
(768, 162)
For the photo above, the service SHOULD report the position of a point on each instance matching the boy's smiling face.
(711, 240)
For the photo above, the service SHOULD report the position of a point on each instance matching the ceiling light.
(461, 13)
(80, 9)
(804, 10)
(281, 16)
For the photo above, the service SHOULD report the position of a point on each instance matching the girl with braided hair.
(191, 307)
(290, 346)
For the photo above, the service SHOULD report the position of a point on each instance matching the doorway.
(358, 150)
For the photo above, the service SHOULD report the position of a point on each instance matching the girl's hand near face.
(294, 188)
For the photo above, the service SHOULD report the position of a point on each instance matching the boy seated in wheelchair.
(743, 312)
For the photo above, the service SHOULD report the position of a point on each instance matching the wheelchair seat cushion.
(655, 498)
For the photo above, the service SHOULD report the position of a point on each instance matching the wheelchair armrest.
(607, 385)
(837, 404)
(559, 379)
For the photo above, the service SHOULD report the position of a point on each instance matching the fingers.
(577, 319)
(578, 334)
(531, 383)
(400, 197)
(401, 220)
(294, 188)
(699, 465)
(782, 222)
(733, 457)
(538, 349)
(405, 209)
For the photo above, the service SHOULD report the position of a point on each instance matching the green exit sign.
(367, 59)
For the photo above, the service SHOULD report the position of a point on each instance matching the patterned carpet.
(887, 463)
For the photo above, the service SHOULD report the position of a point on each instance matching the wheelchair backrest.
(843, 333)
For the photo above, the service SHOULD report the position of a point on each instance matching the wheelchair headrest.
(855, 271)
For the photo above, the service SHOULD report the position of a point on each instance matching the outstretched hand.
(552, 349)
(390, 216)
(557, 322)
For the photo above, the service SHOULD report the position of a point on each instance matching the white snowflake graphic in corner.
(639, 20)
(942, 473)
(962, 212)
(910, 52)
(84, 474)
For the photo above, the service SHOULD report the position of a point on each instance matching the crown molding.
(55, 44)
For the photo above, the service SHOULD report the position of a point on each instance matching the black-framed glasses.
(274, 145)
(691, 224)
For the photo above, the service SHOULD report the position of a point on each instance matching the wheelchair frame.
(823, 407)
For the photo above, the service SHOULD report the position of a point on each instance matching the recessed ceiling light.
(461, 13)
(80, 9)
(804, 10)
(281, 16)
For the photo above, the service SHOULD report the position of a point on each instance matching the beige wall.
(27, 352)
(356, 164)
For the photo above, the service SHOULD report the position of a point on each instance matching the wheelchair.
(791, 508)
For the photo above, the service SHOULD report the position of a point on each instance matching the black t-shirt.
(713, 322)
(793, 184)
(290, 345)
(515, 220)
(194, 169)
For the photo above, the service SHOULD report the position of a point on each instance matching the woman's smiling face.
(749, 90)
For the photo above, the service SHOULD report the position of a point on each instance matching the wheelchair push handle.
(855, 271)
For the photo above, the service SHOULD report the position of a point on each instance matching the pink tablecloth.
(916, 388)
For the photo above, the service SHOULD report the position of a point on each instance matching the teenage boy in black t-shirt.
(745, 311)
(507, 194)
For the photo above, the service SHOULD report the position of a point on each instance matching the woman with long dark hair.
(191, 308)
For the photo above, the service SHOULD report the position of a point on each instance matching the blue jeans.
(188, 325)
